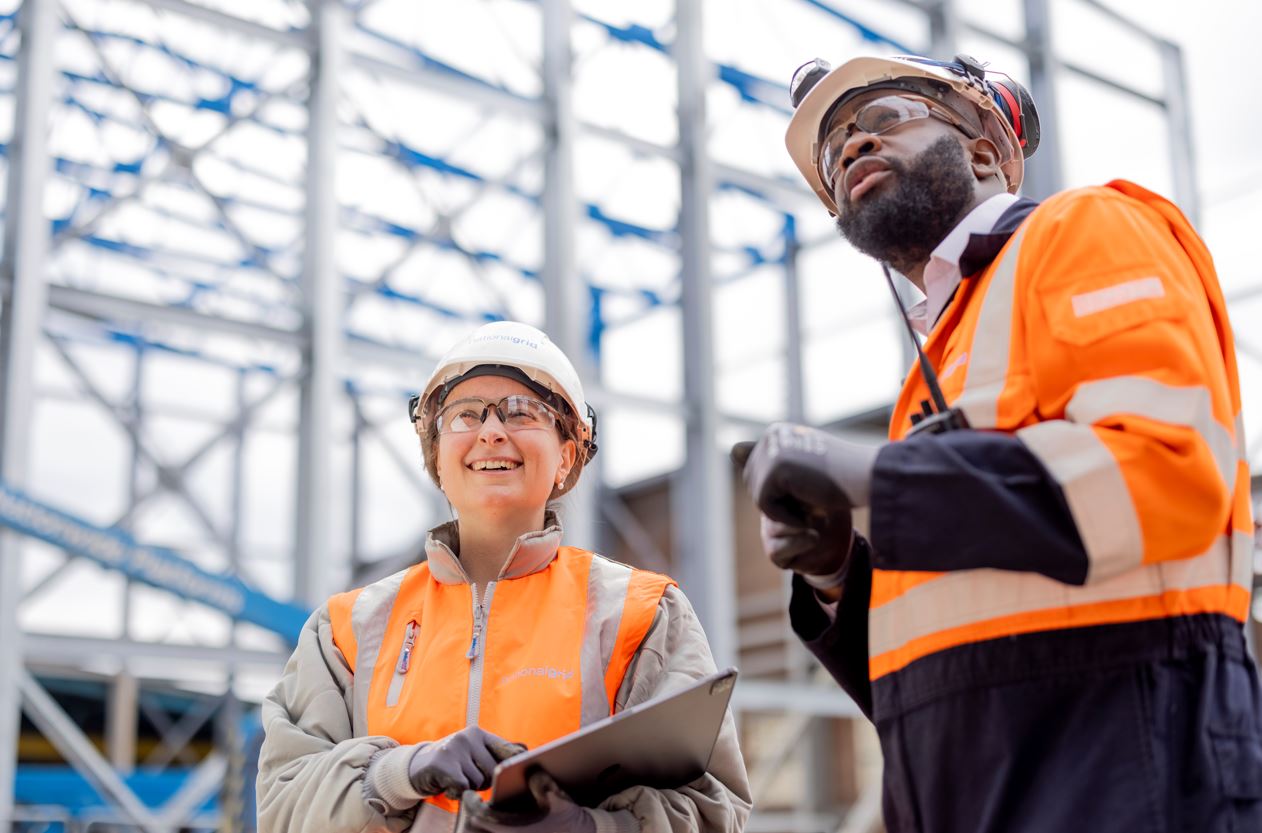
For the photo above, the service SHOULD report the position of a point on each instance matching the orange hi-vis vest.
(1099, 336)
(534, 655)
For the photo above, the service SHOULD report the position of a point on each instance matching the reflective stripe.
(369, 617)
(1242, 567)
(992, 342)
(1190, 406)
(430, 818)
(1096, 491)
(607, 583)
(1126, 292)
(974, 596)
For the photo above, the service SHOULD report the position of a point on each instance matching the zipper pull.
(405, 655)
(479, 621)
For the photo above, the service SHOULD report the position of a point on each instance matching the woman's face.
(526, 463)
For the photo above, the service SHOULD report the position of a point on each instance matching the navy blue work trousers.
(1149, 727)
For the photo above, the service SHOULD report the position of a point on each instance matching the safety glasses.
(516, 413)
(876, 117)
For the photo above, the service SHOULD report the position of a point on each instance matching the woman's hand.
(556, 813)
(461, 761)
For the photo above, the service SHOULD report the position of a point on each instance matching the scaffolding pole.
(24, 276)
(1043, 175)
(322, 308)
(566, 317)
(703, 502)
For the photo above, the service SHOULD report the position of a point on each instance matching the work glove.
(555, 813)
(795, 473)
(461, 761)
(819, 553)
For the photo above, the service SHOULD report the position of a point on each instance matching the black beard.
(903, 225)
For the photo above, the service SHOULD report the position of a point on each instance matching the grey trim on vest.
(369, 617)
(430, 818)
(473, 701)
(607, 583)
(987, 372)
(530, 553)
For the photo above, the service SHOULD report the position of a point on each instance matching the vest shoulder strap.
(644, 593)
(340, 607)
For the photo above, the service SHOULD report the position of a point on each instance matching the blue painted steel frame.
(156, 566)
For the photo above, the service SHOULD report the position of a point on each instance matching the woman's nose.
(492, 431)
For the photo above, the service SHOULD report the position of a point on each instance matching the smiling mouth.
(494, 465)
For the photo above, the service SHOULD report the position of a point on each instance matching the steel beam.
(1179, 121)
(703, 501)
(199, 785)
(567, 319)
(23, 269)
(294, 38)
(1043, 177)
(81, 651)
(943, 29)
(121, 721)
(70, 741)
(322, 310)
(823, 701)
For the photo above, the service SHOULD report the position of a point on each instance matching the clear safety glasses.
(881, 116)
(517, 413)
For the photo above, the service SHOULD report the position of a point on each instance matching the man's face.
(901, 192)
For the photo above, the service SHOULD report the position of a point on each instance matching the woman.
(405, 693)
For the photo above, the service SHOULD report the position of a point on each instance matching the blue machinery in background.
(156, 566)
(166, 570)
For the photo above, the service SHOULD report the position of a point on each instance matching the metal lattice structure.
(238, 234)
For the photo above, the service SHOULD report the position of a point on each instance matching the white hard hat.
(1005, 108)
(518, 351)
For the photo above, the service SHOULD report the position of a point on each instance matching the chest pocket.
(1082, 312)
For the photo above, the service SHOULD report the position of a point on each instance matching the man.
(1046, 623)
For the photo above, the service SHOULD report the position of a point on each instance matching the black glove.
(819, 553)
(800, 476)
(461, 761)
(555, 813)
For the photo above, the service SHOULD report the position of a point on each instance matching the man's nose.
(859, 144)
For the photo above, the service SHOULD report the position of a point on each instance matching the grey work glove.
(461, 761)
(556, 812)
(820, 553)
(795, 473)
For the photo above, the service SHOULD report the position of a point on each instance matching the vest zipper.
(477, 651)
(402, 666)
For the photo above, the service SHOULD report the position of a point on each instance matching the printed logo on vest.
(544, 671)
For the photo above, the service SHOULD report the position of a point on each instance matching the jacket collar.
(530, 554)
(981, 249)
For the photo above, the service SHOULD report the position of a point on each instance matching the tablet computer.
(664, 743)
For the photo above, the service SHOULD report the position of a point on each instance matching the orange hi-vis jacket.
(430, 658)
(1115, 367)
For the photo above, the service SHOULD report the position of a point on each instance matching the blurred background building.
(238, 233)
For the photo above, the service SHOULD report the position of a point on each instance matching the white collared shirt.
(942, 272)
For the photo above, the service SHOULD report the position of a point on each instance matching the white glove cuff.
(828, 582)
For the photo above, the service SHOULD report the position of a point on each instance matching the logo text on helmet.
(534, 345)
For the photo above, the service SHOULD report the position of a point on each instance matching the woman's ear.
(569, 454)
